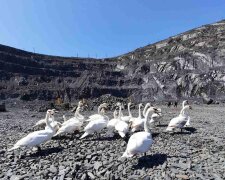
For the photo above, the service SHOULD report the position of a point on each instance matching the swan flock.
(139, 127)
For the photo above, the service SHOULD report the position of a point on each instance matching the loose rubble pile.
(197, 153)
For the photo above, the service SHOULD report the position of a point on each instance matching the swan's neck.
(129, 110)
(120, 113)
(78, 115)
(144, 111)
(146, 128)
(115, 114)
(183, 112)
(139, 116)
(48, 124)
(99, 108)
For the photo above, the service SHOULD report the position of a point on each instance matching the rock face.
(188, 65)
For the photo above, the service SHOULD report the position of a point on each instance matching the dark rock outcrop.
(183, 66)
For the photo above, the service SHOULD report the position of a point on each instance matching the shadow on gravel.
(150, 160)
(190, 129)
(70, 137)
(60, 137)
(46, 152)
(162, 125)
(155, 134)
(104, 138)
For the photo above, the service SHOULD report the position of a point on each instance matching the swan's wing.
(40, 122)
(154, 115)
(71, 120)
(96, 124)
(126, 118)
(122, 126)
(112, 123)
(178, 121)
(69, 127)
(94, 116)
(138, 122)
(139, 142)
(34, 138)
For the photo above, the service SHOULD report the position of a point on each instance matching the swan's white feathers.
(34, 139)
(138, 143)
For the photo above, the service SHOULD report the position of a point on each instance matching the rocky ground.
(197, 153)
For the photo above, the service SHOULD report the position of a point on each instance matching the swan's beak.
(157, 111)
(190, 107)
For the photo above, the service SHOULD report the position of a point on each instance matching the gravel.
(197, 153)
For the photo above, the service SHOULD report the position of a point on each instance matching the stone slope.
(189, 65)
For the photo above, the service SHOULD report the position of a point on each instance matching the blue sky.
(99, 27)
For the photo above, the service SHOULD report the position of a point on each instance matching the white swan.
(137, 123)
(96, 125)
(147, 105)
(185, 102)
(156, 117)
(111, 124)
(121, 126)
(140, 142)
(127, 118)
(37, 137)
(42, 123)
(54, 124)
(71, 125)
(179, 121)
(99, 114)
(77, 115)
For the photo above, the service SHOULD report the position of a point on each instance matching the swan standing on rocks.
(96, 125)
(146, 108)
(185, 102)
(156, 117)
(179, 121)
(111, 124)
(71, 125)
(121, 126)
(37, 137)
(137, 123)
(140, 142)
(127, 118)
(54, 124)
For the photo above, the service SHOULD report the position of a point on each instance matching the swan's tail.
(126, 155)
(84, 135)
(122, 134)
(13, 148)
(151, 121)
(169, 128)
(187, 123)
(134, 129)
(57, 133)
